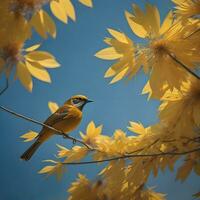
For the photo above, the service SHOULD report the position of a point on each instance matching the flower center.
(11, 53)
(159, 47)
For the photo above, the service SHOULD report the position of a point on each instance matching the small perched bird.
(65, 119)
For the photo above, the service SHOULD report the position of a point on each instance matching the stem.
(192, 33)
(133, 156)
(183, 66)
(6, 87)
(58, 132)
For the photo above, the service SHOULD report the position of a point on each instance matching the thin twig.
(58, 132)
(5, 88)
(141, 149)
(183, 66)
(132, 156)
(196, 31)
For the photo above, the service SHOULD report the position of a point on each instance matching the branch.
(133, 156)
(183, 66)
(5, 88)
(196, 31)
(138, 150)
(58, 132)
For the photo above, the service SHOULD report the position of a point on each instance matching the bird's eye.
(75, 101)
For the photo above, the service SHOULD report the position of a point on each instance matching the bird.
(65, 119)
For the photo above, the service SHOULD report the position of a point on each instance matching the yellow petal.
(136, 28)
(139, 14)
(70, 9)
(32, 48)
(49, 63)
(46, 169)
(137, 128)
(38, 72)
(53, 106)
(58, 10)
(49, 24)
(108, 54)
(184, 170)
(24, 76)
(91, 127)
(86, 2)
(109, 73)
(37, 22)
(167, 23)
(118, 35)
(39, 56)
(31, 135)
(147, 89)
(119, 76)
(153, 18)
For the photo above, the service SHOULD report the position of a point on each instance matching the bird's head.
(79, 101)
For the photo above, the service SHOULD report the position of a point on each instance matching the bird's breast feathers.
(70, 121)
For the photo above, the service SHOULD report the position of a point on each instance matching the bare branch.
(58, 132)
(5, 88)
(133, 156)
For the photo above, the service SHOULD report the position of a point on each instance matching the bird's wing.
(58, 116)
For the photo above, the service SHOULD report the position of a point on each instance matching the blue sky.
(81, 73)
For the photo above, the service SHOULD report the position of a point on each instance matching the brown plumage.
(65, 119)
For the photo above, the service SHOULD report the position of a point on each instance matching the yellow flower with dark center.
(158, 55)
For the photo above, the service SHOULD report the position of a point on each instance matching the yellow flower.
(57, 168)
(180, 109)
(74, 154)
(82, 189)
(187, 8)
(29, 136)
(53, 107)
(14, 29)
(166, 44)
(31, 11)
(28, 62)
(92, 133)
(39, 19)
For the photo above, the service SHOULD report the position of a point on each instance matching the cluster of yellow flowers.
(120, 179)
(169, 56)
(20, 17)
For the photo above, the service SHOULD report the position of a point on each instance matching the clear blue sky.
(81, 73)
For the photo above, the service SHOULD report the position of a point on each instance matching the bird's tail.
(31, 150)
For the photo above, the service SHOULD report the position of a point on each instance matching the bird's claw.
(74, 141)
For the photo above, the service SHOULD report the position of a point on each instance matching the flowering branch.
(133, 156)
(58, 132)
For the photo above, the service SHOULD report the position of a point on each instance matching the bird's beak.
(89, 101)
